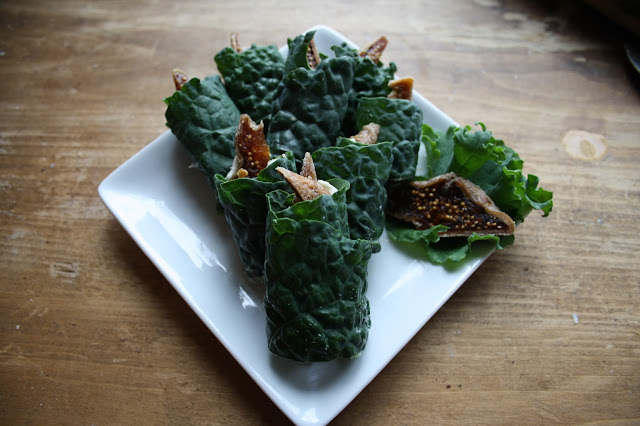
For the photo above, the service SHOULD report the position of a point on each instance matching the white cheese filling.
(234, 168)
(326, 185)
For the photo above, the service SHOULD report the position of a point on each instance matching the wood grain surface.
(545, 332)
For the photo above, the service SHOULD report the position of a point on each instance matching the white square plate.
(169, 210)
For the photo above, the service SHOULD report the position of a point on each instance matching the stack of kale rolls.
(298, 151)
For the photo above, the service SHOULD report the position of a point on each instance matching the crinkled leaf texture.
(204, 119)
(245, 209)
(400, 122)
(310, 106)
(316, 279)
(370, 80)
(490, 164)
(298, 48)
(367, 169)
(251, 78)
(442, 250)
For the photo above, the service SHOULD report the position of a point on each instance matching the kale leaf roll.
(315, 274)
(241, 194)
(366, 166)
(251, 76)
(370, 78)
(400, 122)
(311, 102)
(204, 118)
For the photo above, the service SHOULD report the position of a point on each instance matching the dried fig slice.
(374, 51)
(313, 57)
(308, 168)
(448, 200)
(235, 43)
(306, 185)
(252, 151)
(179, 78)
(305, 188)
(368, 135)
(401, 88)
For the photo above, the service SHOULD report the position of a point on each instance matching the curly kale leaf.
(442, 250)
(490, 164)
(369, 80)
(334, 212)
(309, 107)
(245, 209)
(316, 280)
(366, 168)
(251, 77)
(400, 122)
(204, 119)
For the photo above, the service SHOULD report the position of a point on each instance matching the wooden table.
(546, 331)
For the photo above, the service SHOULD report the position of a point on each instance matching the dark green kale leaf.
(245, 209)
(204, 119)
(328, 211)
(310, 106)
(400, 122)
(298, 48)
(369, 80)
(316, 279)
(366, 168)
(251, 77)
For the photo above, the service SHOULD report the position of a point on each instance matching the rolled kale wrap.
(400, 122)
(251, 77)
(316, 279)
(310, 103)
(245, 209)
(370, 79)
(204, 119)
(366, 168)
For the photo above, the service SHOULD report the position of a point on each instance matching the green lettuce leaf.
(400, 122)
(204, 119)
(366, 168)
(245, 209)
(251, 78)
(441, 250)
(438, 149)
(459, 149)
(316, 279)
(490, 164)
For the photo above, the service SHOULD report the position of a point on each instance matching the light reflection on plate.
(169, 210)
